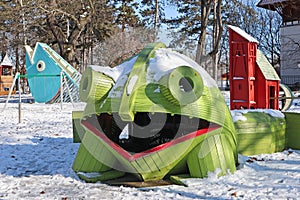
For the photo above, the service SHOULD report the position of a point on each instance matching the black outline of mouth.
(172, 133)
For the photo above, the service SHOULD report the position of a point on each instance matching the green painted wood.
(182, 86)
(229, 154)
(148, 168)
(90, 163)
(158, 161)
(167, 160)
(78, 130)
(208, 105)
(221, 152)
(101, 152)
(84, 158)
(179, 179)
(164, 160)
(260, 133)
(136, 79)
(213, 153)
(266, 68)
(292, 130)
(101, 176)
(94, 85)
(79, 159)
(143, 165)
(105, 154)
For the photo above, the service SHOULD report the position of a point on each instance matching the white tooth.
(125, 133)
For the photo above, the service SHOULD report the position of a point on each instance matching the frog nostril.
(183, 85)
(186, 84)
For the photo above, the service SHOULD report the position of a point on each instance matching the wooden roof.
(278, 3)
(288, 9)
(266, 68)
(271, 4)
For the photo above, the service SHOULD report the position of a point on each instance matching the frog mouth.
(148, 132)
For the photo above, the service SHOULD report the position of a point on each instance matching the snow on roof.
(6, 61)
(243, 33)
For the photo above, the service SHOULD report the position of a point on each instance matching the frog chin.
(148, 130)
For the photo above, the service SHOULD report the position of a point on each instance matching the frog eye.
(182, 86)
(94, 85)
(40, 66)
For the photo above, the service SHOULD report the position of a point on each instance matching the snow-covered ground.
(36, 156)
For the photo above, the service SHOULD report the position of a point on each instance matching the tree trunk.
(210, 61)
(156, 20)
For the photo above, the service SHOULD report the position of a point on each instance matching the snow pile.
(239, 114)
(115, 72)
(37, 154)
(166, 60)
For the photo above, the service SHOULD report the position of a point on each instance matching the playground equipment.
(292, 130)
(159, 114)
(254, 91)
(6, 76)
(44, 67)
(259, 131)
(253, 81)
(153, 116)
(287, 99)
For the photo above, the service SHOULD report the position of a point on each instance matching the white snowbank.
(37, 154)
(239, 114)
(115, 72)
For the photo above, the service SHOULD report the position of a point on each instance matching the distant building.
(289, 36)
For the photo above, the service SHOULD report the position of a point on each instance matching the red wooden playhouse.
(253, 81)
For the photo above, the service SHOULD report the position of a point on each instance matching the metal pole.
(69, 92)
(11, 89)
(19, 86)
(61, 89)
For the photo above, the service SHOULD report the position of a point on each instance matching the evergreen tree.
(128, 40)
(152, 12)
(126, 14)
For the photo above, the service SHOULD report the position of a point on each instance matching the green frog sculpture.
(156, 115)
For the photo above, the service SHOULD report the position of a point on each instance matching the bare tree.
(122, 46)
(210, 60)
